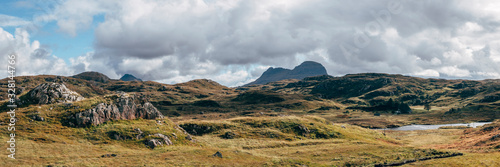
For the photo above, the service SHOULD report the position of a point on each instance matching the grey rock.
(108, 155)
(152, 143)
(124, 109)
(229, 135)
(165, 138)
(217, 154)
(189, 137)
(304, 130)
(174, 135)
(49, 93)
(140, 135)
(38, 118)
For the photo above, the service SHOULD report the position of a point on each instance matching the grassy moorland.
(318, 121)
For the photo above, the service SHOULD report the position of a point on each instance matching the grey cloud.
(176, 40)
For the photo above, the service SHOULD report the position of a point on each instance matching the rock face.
(93, 76)
(49, 93)
(306, 69)
(125, 108)
(129, 77)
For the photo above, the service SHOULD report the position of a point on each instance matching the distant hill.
(92, 76)
(129, 77)
(306, 69)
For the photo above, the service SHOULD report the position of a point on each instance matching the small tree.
(427, 107)
(404, 108)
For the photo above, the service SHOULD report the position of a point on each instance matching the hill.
(306, 69)
(314, 121)
(129, 77)
(93, 76)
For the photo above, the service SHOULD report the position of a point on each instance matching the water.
(429, 127)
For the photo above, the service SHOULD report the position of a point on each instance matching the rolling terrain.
(320, 120)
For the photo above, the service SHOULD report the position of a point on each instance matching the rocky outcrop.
(306, 69)
(152, 143)
(159, 140)
(165, 138)
(49, 93)
(125, 108)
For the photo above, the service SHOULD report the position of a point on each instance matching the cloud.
(11, 21)
(31, 58)
(234, 41)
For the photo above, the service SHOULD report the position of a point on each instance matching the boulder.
(38, 118)
(125, 108)
(152, 143)
(217, 154)
(228, 135)
(165, 139)
(140, 135)
(49, 93)
(108, 155)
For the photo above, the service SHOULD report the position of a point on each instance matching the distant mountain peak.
(130, 77)
(305, 69)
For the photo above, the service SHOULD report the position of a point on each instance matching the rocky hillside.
(371, 88)
(306, 69)
(484, 138)
(302, 122)
(125, 107)
(449, 100)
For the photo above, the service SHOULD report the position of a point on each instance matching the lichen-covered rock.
(165, 139)
(49, 93)
(124, 109)
(152, 143)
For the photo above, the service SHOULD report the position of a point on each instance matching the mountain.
(92, 76)
(129, 77)
(306, 69)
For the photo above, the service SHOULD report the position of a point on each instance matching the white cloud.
(11, 21)
(454, 71)
(31, 59)
(427, 73)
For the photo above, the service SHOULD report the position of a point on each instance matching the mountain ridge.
(305, 69)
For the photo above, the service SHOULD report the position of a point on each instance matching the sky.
(234, 41)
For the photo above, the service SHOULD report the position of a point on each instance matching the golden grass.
(468, 159)
(426, 138)
(51, 143)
